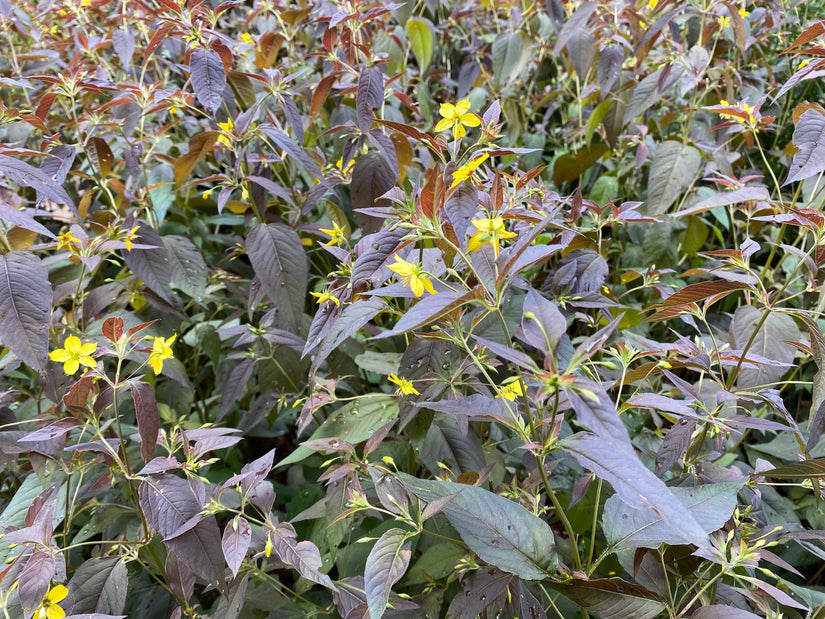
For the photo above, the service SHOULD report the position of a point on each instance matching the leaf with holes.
(500, 531)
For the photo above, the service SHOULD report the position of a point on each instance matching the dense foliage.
(433, 309)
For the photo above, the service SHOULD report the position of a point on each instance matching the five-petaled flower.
(336, 234)
(456, 117)
(66, 239)
(490, 230)
(510, 391)
(326, 297)
(468, 169)
(743, 12)
(74, 354)
(405, 386)
(413, 275)
(161, 349)
(50, 608)
(724, 21)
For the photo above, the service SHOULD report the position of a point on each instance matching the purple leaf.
(25, 306)
(148, 419)
(386, 564)
(236, 538)
(208, 77)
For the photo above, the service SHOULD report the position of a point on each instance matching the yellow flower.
(66, 239)
(468, 169)
(74, 354)
(205, 195)
(404, 386)
(336, 234)
(326, 296)
(724, 22)
(651, 4)
(490, 230)
(128, 240)
(747, 109)
(456, 117)
(511, 391)
(412, 275)
(50, 609)
(247, 38)
(161, 349)
(743, 13)
(226, 132)
(345, 169)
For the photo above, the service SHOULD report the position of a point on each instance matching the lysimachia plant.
(458, 309)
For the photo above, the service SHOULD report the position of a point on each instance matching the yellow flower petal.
(57, 594)
(55, 612)
(462, 107)
(447, 110)
(71, 366)
(470, 120)
(60, 355)
(443, 125)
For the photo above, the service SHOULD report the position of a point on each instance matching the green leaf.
(278, 258)
(354, 423)
(809, 139)
(673, 169)
(616, 462)
(509, 57)
(710, 505)
(498, 530)
(385, 363)
(187, 267)
(25, 305)
(151, 265)
(613, 598)
(770, 342)
(571, 166)
(208, 77)
(420, 34)
(805, 469)
(100, 586)
(386, 564)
